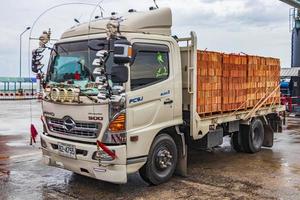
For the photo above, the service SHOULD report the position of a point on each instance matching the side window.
(150, 65)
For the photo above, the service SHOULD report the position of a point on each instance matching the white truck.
(120, 97)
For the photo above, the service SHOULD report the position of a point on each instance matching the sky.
(258, 27)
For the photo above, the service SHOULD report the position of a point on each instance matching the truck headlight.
(101, 155)
(116, 132)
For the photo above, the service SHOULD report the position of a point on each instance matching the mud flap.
(269, 136)
(181, 168)
(275, 122)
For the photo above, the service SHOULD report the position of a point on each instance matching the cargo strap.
(260, 103)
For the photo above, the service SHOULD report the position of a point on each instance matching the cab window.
(150, 65)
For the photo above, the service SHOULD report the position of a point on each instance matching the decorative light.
(70, 97)
(62, 94)
(55, 94)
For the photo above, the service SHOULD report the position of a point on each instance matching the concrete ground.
(217, 174)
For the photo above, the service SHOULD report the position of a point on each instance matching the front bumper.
(111, 171)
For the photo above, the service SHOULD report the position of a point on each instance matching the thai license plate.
(67, 150)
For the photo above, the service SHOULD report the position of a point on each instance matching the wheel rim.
(163, 159)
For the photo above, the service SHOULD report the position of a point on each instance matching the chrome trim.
(136, 160)
(76, 129)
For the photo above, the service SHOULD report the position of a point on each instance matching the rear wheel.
(235, 143)
(162, 160)
(252, 136)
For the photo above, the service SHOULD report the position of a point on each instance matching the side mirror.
(122, 51)
(119, 74)
(36, 64)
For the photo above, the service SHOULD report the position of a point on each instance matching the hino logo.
(69, 123)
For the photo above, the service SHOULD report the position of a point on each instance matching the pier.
(15, 88)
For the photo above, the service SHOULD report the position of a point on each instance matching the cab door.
(150, 102)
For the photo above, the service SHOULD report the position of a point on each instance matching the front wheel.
(162, 160)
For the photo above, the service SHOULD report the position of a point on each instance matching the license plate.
(67, 150)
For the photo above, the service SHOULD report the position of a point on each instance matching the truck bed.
(220, 88)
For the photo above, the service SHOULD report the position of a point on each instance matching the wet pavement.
(217, 174)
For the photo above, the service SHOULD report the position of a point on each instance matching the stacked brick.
(256, 80)
(234, 82)
(273, 80)
(231, 82)
(209, 82)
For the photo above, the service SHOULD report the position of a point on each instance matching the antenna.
(77, 21)
(155, 3)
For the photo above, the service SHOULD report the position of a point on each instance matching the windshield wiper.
(89, 97)
(64, 50)
(53, 49)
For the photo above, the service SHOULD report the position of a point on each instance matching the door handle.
(168, 101)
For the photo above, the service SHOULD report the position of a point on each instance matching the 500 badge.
(95, 118)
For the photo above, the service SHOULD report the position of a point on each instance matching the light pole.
(20, 70)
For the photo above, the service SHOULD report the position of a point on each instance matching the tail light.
(116, 132)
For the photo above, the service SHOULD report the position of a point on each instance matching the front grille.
(68, 126)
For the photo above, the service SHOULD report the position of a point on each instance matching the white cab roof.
(158, 21)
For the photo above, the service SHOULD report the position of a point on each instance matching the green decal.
(160, 58)
(161, 70)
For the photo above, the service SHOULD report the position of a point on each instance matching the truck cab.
(151, 100)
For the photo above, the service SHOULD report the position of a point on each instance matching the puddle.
(4, 173)
(292, 127)
(16, 144)
(3, 157)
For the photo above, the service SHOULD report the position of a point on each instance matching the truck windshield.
(76, 61)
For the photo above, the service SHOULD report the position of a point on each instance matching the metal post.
(32, 88)
(20, 70)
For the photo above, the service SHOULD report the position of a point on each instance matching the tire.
(235, 143)
(161, 162)
(252, 136)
